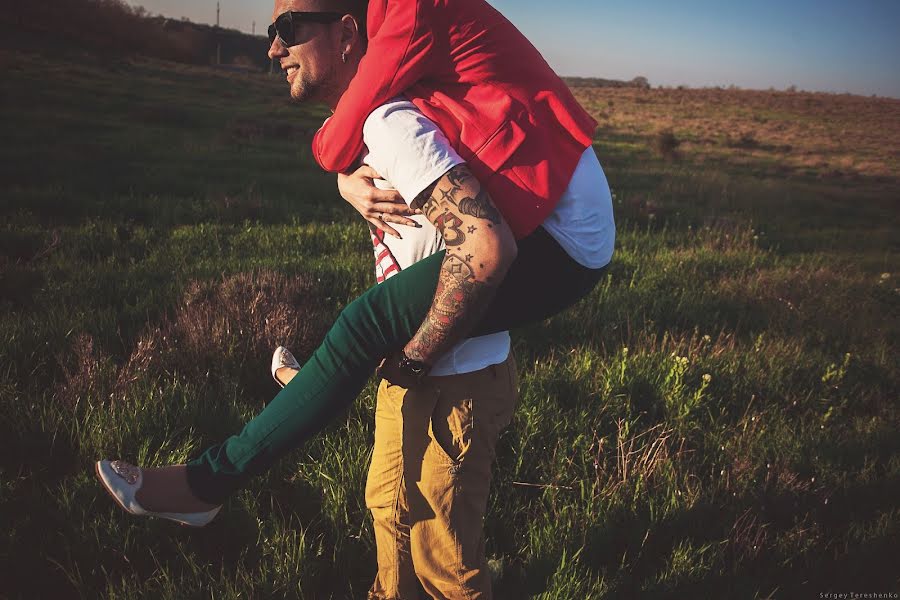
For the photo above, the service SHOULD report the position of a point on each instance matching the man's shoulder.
(392, 108)
(406, 148)
(396, 118)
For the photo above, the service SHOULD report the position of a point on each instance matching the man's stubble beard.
(322, 90)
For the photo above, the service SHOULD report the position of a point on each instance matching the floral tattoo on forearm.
(463, 294)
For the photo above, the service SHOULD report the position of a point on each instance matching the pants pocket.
(452, 425)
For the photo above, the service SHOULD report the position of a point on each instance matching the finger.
(367, 171)
(388, 196)
(399, 220)
(392, 208)
(386, 228)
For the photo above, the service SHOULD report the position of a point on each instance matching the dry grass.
(242, 317)
(836, 136)
(747, 538)
(642, 459)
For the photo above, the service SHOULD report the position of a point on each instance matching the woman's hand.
(378, 207)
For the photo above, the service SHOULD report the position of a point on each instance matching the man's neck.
(346, 74)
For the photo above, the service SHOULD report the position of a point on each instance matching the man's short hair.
(357, 8)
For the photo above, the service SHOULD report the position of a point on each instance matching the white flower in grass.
(707, 378)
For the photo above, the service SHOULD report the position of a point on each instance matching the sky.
(821, 45)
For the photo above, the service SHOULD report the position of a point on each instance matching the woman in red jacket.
(527, 143)
(471, 72)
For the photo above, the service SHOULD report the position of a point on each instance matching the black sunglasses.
(283, 27)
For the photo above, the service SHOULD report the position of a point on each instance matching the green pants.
(541, 282)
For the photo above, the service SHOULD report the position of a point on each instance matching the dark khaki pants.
(429, 479)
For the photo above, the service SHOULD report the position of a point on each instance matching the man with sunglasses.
(489, 279)
(310, 78)
(430, 471)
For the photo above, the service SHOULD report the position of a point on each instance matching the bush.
(746, 141)
(243, 317)
(666, 144)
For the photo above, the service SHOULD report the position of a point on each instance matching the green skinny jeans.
(542, 281)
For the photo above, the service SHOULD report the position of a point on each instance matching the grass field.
(719, 419)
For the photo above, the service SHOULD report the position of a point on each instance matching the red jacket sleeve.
(400, 52)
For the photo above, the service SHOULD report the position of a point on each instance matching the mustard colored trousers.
(429, 479)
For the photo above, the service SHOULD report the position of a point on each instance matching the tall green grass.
(718, 419)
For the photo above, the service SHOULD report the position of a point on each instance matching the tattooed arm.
(480, 249)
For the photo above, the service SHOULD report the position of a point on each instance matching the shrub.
(746, 141)
(228, 325)
(666, 144)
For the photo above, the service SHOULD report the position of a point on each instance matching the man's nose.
(277, 49)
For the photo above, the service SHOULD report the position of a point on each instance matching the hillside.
(718, 419)
(113, 29)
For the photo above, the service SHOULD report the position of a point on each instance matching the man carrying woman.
(502, 167)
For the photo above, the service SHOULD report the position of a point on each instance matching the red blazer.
(468, 69)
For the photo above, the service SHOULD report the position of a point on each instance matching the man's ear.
(350, 36)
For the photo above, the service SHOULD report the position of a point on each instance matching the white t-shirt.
(415, 153)
(410, 153)
(582, 222)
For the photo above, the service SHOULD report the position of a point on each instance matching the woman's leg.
(371, 327)
(542, 281)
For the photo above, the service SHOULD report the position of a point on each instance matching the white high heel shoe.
(123, 480)
(281, 358)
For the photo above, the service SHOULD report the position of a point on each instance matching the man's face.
(311, 64)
